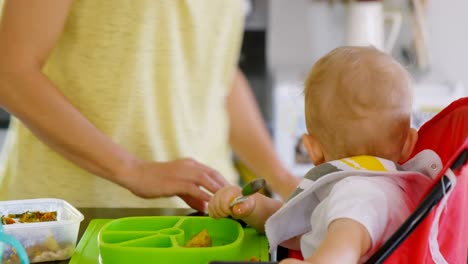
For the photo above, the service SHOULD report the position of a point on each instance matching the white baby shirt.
(375, 192)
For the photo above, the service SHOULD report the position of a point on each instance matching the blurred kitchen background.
(283, 39)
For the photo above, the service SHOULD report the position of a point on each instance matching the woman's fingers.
(202, 175)
(195, 203)
(214, 175)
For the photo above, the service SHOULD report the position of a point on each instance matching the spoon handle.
(249, 189)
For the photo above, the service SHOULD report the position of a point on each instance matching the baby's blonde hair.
(358, 102)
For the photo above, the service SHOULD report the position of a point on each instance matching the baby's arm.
(264, 207)
(356, 213)
(254, 211)
(345, 242)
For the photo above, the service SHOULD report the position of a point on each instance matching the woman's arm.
(29, 30)
(28, 33)
(250, 139)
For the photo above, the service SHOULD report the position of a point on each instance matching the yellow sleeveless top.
(153, 76)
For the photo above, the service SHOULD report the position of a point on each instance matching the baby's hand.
(219, 205)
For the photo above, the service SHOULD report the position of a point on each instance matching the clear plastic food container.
(43, 241)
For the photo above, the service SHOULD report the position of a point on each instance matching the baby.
(358, 104)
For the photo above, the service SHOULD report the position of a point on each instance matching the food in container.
(29, 217)
(46, 240)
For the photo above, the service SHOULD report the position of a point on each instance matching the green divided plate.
(161, 239)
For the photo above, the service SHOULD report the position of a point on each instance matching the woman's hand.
(219, 206)
(184, 178)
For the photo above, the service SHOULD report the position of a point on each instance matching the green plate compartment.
(161, 239)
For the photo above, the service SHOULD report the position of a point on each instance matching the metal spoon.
(249, 189)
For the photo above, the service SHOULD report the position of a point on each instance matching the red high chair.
(446, 134)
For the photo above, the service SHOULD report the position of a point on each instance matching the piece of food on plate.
(202, 239)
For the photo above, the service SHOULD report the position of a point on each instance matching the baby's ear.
(314, 148)
(410, 143)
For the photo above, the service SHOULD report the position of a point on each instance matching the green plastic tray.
(160, 239)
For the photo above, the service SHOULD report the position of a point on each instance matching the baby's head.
(358, 102)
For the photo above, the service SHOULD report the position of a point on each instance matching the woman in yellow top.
(144, 94)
